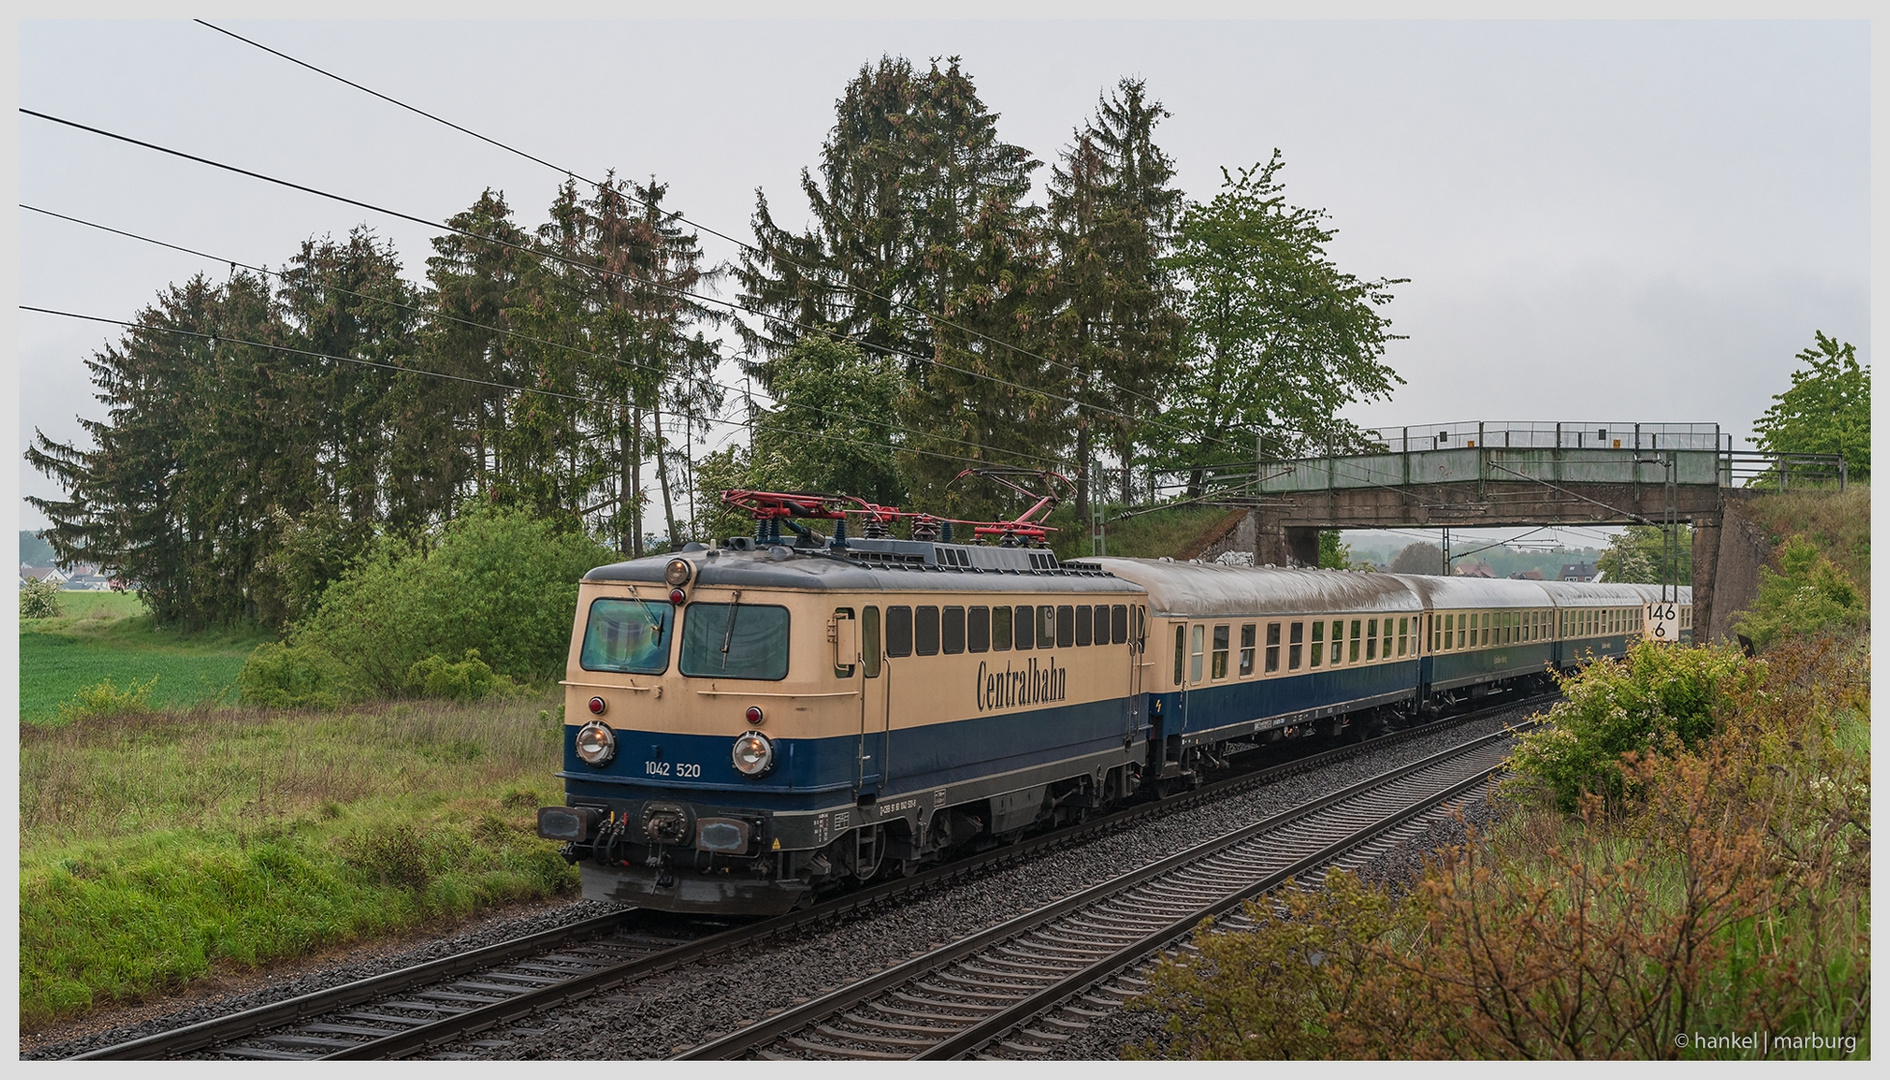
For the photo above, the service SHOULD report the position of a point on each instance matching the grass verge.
(155, 849)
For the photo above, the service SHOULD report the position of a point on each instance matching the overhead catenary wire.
(744, 245)
(425, 313)
(578, 264)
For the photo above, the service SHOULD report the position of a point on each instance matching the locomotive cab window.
(627, 636)
(869, 642)
(735, 641)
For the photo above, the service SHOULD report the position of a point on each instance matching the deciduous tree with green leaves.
(1279, 338)
(1827, 409)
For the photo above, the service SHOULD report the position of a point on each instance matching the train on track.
(753, 726)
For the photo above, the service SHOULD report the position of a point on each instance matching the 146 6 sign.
(1661, 621)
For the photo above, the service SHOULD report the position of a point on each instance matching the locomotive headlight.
(596, 744)
(678, 572)
(753, 754)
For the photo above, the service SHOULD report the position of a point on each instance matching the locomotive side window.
(1318, 642)
(1101, 624)
(952, 630)
(1118, 624)
(1371, 639)
(1295, 645)
(1084, 625)
(735, 641)
(1246, 650)
(1025, 624)
(925, 630)
(869, 642)
(899, 630)
(1273, 647)
(1000, 629)
(1219, 664)
(627, 636)
(1066, 626)
(1181, 649)
(1046, 627)
(978, 629)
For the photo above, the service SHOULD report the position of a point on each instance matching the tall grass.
(108, 636)
(155, 848)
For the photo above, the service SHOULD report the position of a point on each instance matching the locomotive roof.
(1209, 590)
(889, 566)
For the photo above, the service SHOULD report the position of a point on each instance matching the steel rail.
(402, 1043)
(767, 1030)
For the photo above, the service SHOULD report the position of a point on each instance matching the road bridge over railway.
(1508, 474)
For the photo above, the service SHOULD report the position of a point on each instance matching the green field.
(110, 636)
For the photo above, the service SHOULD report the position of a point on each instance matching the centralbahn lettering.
(1032, 684)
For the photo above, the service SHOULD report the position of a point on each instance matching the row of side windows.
(1290, 646)
(1453, 630)
(928, 630)
(1603, 622)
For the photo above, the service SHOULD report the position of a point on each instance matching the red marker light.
(754, 714)
(677, 596)
(597, 706)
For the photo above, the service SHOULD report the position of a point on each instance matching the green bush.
(500, 582)
(106, 700)
(469, 680)
(41, 600)
(1658, 698)
(1812, 596)
(284, 676)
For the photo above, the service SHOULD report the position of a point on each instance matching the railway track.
(431, 1006)
(958, 1000)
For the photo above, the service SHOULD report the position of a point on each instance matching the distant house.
(1527, 575)
(1475, 569)
(93, 582)
(1577, 572)
(43, 573)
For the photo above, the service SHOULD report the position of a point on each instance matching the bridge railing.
(1782, 472)
(1558, 435)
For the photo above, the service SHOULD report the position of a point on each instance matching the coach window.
(1025, 625)
(1181, 650)
(899, 631)
(952, 630)
(1356, 640)
(1371, 639)
(978, 628)
(1246, 650)
(1295, 645)
(1404, 635)
(1083, 625)
(1273, 647)
(1197, 634)
(1219, 663)
(1338, 642)
(869, 642)
(1066, 626)
(1000, 629)
(1486, 627)
(1046, 626)
(925, 630)
(1318, 643)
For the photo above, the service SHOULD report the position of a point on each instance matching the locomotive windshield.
(629, 636)
(735, 641)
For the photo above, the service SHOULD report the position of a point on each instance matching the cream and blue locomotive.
(751, 726)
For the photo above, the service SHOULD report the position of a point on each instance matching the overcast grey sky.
(1622, 221)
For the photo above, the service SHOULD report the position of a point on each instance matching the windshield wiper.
(649, 613)
(728, 632)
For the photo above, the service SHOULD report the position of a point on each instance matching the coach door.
(874, 678)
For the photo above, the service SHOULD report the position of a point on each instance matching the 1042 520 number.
(680, 770)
